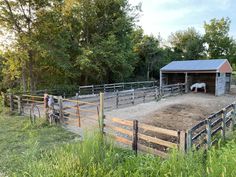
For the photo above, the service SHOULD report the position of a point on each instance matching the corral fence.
(131, 97)
(96, 89)
(86, 108)
(134, 134)
(209, 131)
(142, 137)
(139, 136)
(67, 111)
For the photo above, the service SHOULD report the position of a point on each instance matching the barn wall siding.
(221, 84)
(228, 82)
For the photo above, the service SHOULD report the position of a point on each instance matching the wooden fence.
(96, 89)
(209, 131)
(159, 141)
(125, 98)
(70, 112)
(143, 137)
(75, 111)
(134, 134)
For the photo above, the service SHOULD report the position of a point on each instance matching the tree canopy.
(80, 42)
(188, 44)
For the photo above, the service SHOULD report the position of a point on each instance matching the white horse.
(198, 85)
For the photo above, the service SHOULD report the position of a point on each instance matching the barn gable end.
(225, 68)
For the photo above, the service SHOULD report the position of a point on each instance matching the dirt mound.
(177, 116)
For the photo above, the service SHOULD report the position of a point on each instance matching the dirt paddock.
(177, 112)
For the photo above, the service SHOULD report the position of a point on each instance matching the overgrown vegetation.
(42, 150)
(21, 143)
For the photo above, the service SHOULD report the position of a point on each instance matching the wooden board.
(32, 96)
(119, 139)
(121, 130)
(152, 151)
(33, 101)
(157, 141)
(123, 122)
(81, 102)
(158, 130)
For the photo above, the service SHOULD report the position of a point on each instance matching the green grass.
(42, 150)
(22, 143)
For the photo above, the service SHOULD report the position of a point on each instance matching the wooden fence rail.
(136, 96)
(143, 137)
(68, 111)
(209, 131)
(96, 89)
(119, 99)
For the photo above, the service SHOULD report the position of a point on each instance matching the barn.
(216, 73)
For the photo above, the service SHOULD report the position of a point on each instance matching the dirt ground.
(178, 112)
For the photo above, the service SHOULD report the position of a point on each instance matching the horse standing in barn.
(197, 86)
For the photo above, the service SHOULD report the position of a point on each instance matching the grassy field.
(42, 150)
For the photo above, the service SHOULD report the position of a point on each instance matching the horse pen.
(144, 119)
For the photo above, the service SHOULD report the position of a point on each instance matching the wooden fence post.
(144, 95)
(208, 129)
(161, 91)
(135, 137)
(104, 88)
(60, 102)
(78, 114)
(45, 101)
(117, 99)
(156, 93)
(189, 140)
(186, 82)
(133, 97)
(233, 116)
(4, 99)
(93, 89)
(223, 124)
(19, 102)
(101, 113)
(182, 141)
(11, 102)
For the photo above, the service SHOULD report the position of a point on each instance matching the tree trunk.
(24, 81)
(148, 71)
(86, 80)
(31, 73)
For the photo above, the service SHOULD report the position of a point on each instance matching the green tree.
(220, 44)
(57, 36)
(105, 38)
(149, 53)
(68, 42)
(187, 44)
(18, 17)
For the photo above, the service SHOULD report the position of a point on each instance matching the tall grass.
(93, 158)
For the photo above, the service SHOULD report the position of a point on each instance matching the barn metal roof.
(195, 65)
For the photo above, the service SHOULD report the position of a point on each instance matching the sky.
(166, 16)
